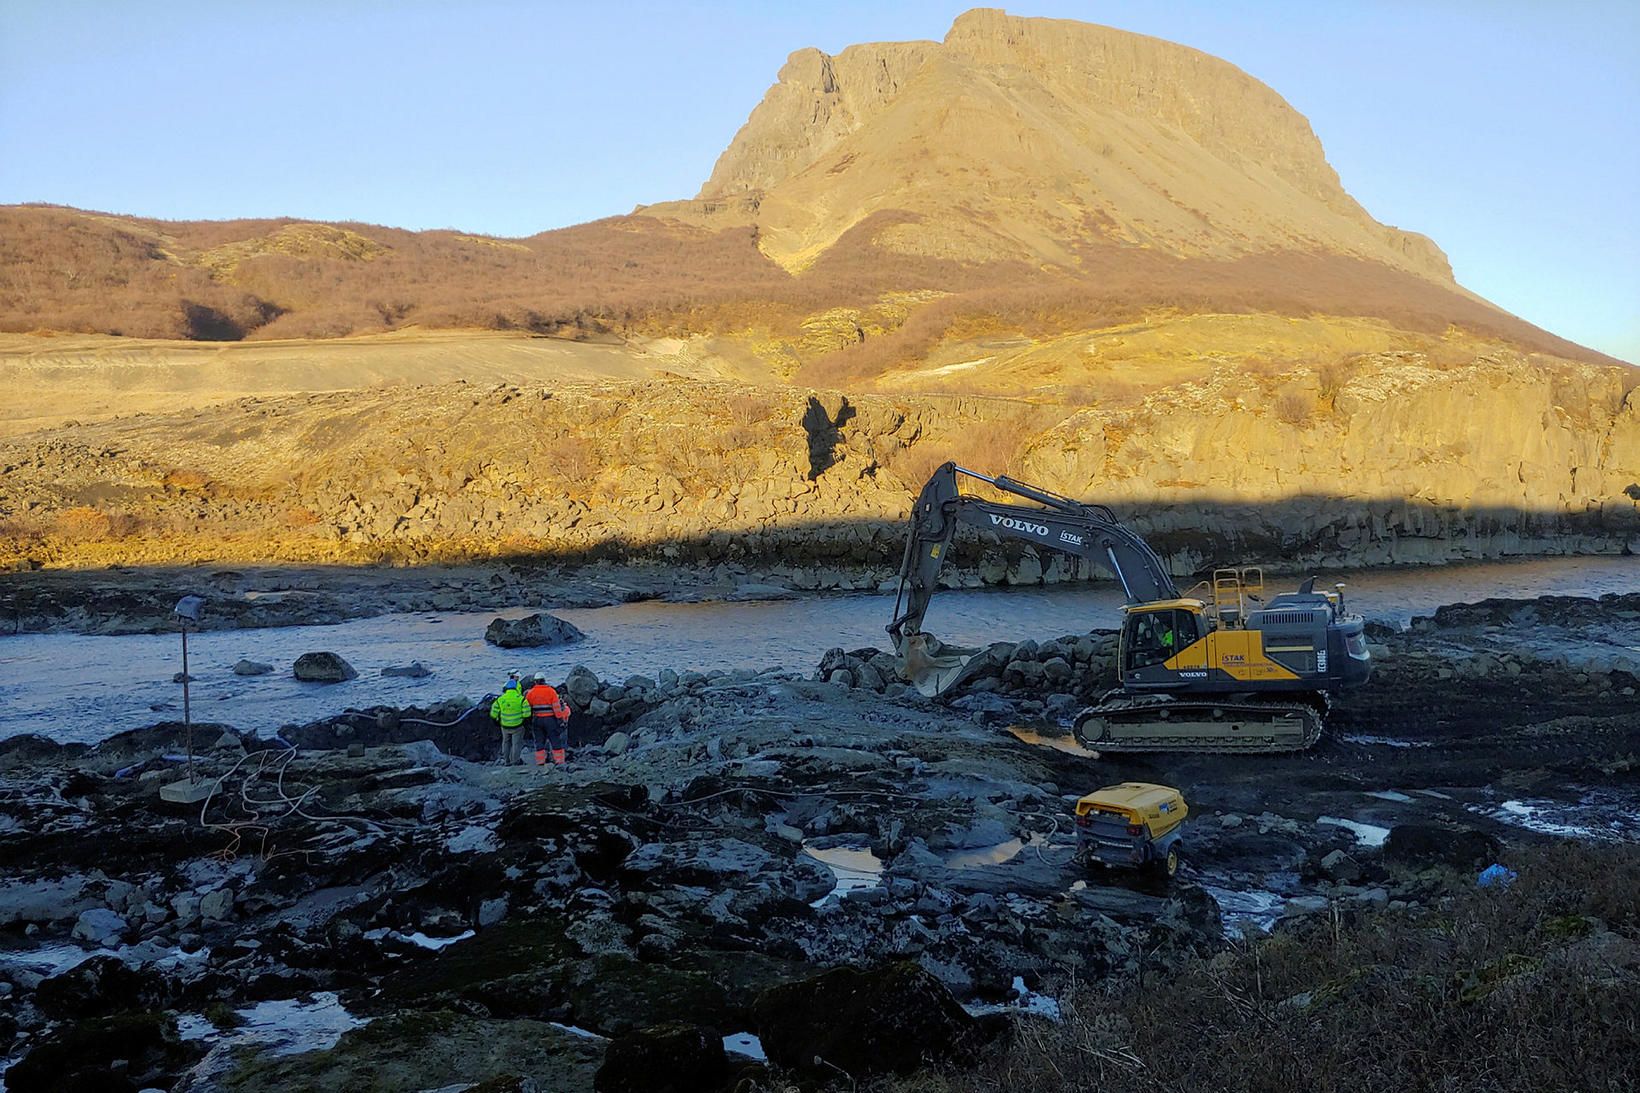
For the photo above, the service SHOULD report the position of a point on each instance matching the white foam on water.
(1389, 795)
(1365, 834)
(49, 960)
(744, 1043)
(585, 1034)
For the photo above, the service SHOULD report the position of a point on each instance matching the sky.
(1507, 130)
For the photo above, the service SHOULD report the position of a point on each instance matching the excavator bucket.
(933, 667)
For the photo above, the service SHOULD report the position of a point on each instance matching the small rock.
(617, 743)
(1300, 906)
(216, 905)
(414, 670)
(1341, 867)
(252, 668)
(492, 911)
(182, 677)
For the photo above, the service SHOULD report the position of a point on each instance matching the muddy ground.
(370, 902)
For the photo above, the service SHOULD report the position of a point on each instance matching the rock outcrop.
(1400, 460)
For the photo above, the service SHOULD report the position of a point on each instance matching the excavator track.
(1124, 722)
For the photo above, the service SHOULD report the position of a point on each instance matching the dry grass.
(1496, 991)
(61, 269)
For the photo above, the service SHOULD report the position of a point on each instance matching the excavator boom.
(1071, 527)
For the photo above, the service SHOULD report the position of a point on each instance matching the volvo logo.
(1020, 525)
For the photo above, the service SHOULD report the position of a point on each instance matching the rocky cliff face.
(1402, 462)
(1032, 138)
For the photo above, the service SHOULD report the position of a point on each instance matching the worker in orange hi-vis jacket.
(551, 717)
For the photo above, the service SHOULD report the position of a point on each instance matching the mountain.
(1037, 139)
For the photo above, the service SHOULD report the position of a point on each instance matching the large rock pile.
(1041, 675)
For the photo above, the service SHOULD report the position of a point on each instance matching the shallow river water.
(80, 688)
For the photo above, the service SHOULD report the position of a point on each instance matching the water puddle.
(1066, 743)
(744, 1043)
(1596, 817)
(855, 868)
(417, 938)
(1383, 741)
(996, 854)
(1024, 1000)
(1365, 834)
(286, 1027)
(1244, 908)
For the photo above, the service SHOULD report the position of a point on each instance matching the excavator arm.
(1054, 522)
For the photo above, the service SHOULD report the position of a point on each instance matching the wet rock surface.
(747, 851)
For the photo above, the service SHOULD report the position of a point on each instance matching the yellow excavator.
(1219, 668)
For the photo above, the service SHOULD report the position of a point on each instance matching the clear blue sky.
(1505, 129)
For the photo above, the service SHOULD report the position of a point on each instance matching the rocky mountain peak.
(1032, 138)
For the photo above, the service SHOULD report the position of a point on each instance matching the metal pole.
(187, 717)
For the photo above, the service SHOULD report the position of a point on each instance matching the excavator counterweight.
(1225, 671)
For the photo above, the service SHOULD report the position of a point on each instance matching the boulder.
(894, 1019)
(617, 743)
(100, 926)
(99, 986)
(322, 668)
(530, 632)
(1340, 867)
(252, 668)
(581, 686)
(671, 1058)
(1426, 844)
(413, 670)
(124, 1052)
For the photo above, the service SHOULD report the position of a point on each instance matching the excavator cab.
(1154, 633)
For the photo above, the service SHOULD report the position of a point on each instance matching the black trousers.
(556, 732)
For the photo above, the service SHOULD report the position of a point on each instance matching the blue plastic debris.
(1496, 876)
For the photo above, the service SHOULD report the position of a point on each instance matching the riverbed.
(85, 688)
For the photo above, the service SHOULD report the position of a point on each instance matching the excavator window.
(1155, 636)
